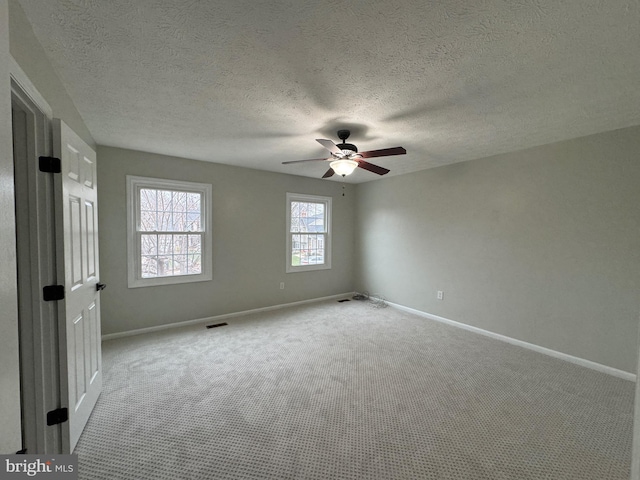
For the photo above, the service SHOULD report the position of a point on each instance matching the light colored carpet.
(345, 391)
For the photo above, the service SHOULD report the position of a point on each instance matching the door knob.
(100, 286)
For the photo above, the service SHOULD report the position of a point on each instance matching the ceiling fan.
(345, 157)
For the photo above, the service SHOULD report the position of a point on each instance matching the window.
(308, 232)
(169, 231)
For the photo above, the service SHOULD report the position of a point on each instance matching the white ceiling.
(253, 83)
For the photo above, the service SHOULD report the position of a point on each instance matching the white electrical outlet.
(281, 285)
(440, 295)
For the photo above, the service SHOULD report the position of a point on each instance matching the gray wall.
(541, 245)
(10, 436)
(248, 242)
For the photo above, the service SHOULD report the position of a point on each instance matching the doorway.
(58, 274)
(36, 259)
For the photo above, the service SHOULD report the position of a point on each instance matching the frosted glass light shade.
(344, 167)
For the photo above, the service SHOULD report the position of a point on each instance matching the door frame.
(35, 221)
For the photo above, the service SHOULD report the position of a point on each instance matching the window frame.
(299, 197)
(134, 263)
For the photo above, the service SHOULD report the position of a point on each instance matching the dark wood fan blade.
(384, 152)
(329, 145)
(310, 160)
(373, 168)
(329, 173)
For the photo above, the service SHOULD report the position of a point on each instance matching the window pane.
(194, 264)
(179, 265)
(179, 201)
(165, 244)
(163, 221)
(304, 241)
(163, 262)
(149, 266)
(193, 202)
(147, 199)
(180, 221)
(295, 217)
(304, 249)
(317, 221)
(179, 244)
(193, 223)
(195, 244)
(295, 257)
(148, 244)
(147, 221)
(164, 200)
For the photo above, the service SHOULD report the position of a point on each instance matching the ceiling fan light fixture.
(344, 166)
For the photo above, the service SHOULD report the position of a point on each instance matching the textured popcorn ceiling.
(253, 83)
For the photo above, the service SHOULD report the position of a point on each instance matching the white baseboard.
(139, 331)
(547, 351)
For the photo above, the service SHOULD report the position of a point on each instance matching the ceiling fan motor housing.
(348, 146)
(343, 135)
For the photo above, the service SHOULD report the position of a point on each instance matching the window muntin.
(308, 225)
(169, 237)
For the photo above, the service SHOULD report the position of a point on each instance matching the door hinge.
(59, 415)
(53, 292)
(50, 164)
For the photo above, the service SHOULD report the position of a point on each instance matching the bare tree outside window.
(170, 232)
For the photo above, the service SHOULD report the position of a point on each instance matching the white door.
(79, 312)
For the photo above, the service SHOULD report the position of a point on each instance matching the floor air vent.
(217, 325)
